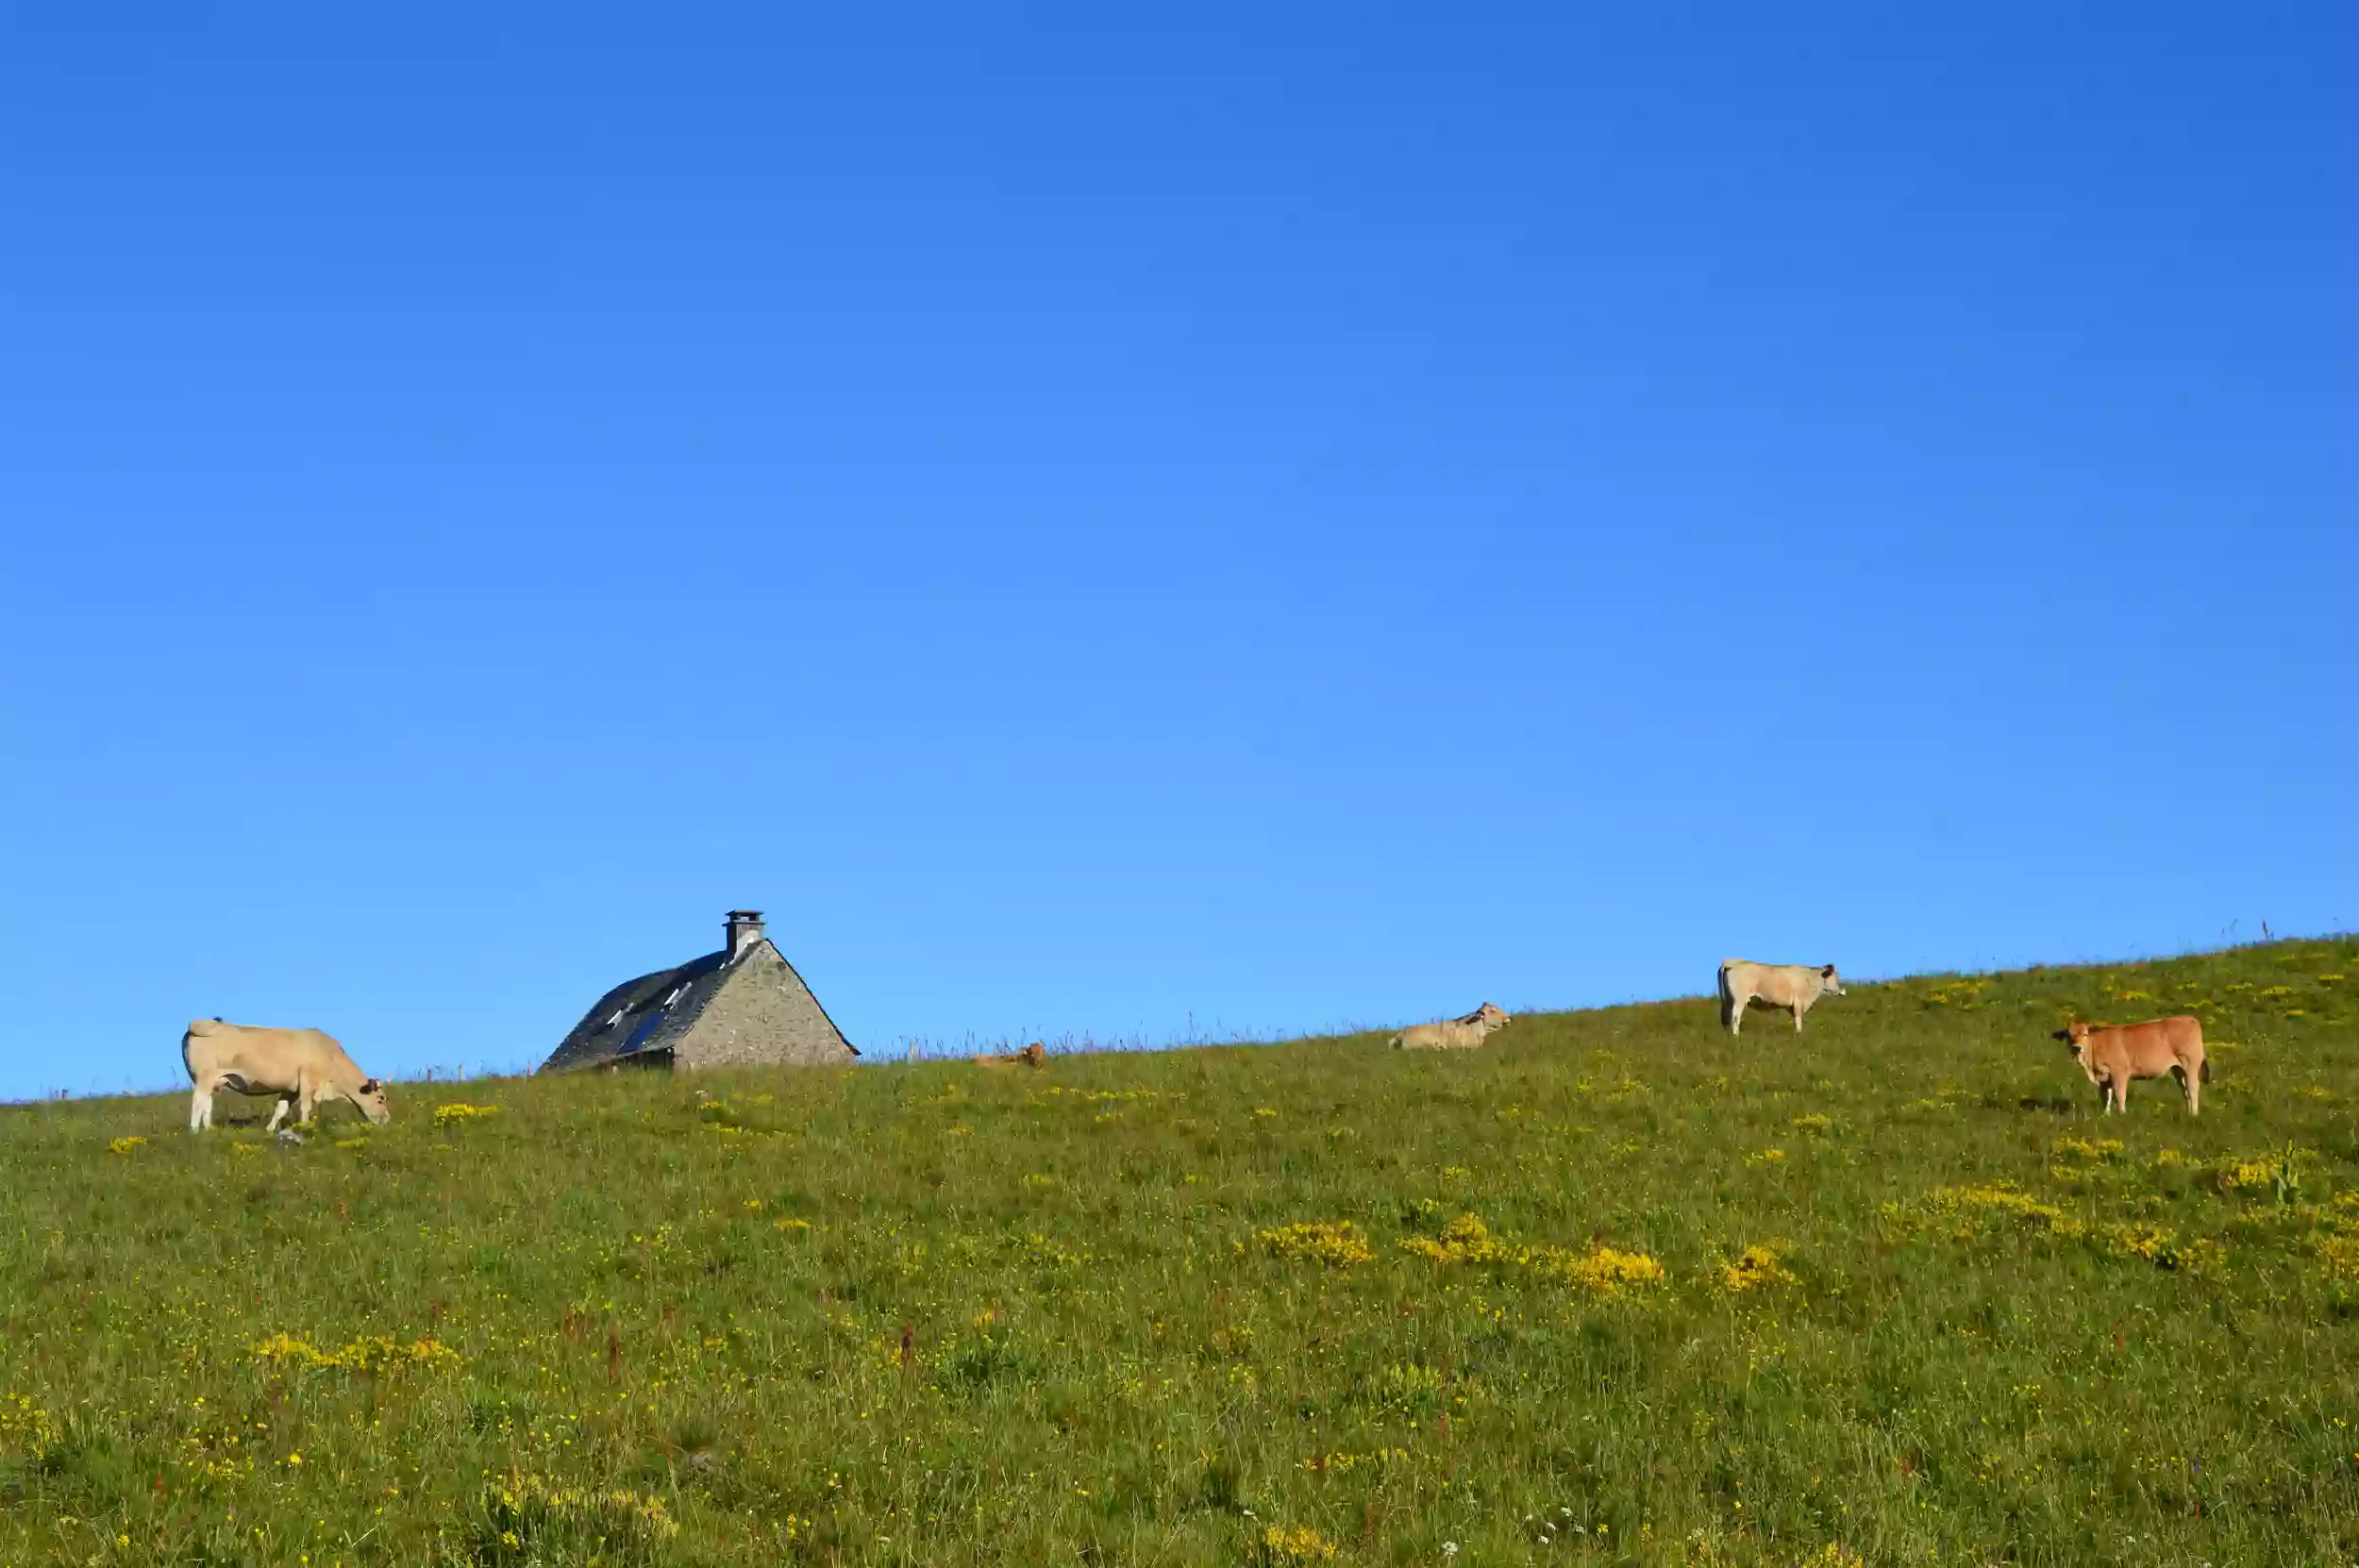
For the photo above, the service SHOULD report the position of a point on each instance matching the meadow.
(1617, 1289)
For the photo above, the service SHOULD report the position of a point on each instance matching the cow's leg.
(2193, 1090)
(279, 1112)
(200, 1107)
(1738, 1002)
(1798, 1018)
(310, 1100)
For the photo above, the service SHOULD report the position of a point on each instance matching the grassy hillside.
(1615, 1290)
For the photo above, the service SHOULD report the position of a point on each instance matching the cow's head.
(370, 1097)
(1489, 1017)
(2075, 1035)
(1830, 983)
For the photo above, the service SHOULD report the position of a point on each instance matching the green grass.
(945, 1313)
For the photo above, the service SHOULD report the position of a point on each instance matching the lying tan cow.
(1034, 1055)
(1793, 986)
(2112, 1056)
(302, 1067)
(1457, 1034)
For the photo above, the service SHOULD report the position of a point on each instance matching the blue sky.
(1117, 523)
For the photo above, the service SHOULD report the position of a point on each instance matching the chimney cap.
(741, 933)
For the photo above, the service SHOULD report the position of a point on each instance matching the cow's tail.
(2203, 1070)
(1725, 996)
(1394, 1042)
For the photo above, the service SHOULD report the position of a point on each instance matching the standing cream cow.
(302, 1067)
(1458, 1034)
(1794, 986)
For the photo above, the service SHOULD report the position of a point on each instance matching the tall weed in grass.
(1547, 1301)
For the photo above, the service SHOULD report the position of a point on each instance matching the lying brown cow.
(1034, 1055)
(301, 1066)
(2112, 1056)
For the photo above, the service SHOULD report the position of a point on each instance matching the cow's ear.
(1827, 972)
(369, 1086)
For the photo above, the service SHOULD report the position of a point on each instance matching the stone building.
(743, 1006)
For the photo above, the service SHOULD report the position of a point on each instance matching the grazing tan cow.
(2112, 1056)
(1457, 1034)
(1793, 986)
(302, 1067)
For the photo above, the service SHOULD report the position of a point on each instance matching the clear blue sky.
(1095, 518)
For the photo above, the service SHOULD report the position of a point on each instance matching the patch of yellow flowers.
(26, 1426)
(1282, 1546)
(521, 1503)
(1335, 1242)
(2269, 1172)
(1971, 1201)
(1335, 1465)
(2339, 1244)
(2338, 1255)
(1972, 1206)
(1605, 1269)
(1602, 1269)
(369, 1352)
(1755, 1268)
(458, 1111)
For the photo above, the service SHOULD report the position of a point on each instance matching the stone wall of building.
(763, 1015)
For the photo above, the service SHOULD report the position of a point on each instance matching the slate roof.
(644, 1017)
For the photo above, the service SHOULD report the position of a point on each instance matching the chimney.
(744, 929)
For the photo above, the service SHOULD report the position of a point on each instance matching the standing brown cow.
(2112, 1056)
